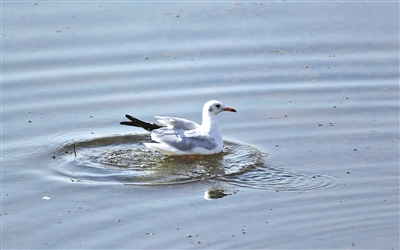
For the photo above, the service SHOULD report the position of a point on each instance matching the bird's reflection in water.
(217, 192)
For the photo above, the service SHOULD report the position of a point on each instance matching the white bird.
(178, 136)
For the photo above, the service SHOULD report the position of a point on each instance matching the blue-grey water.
(311, 158)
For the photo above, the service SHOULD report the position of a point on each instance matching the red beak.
(229, 109)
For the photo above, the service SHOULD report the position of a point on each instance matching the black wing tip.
(141, 124)
(131, 117)
(126, 123)
(131, 122)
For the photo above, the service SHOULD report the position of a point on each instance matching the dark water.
(310, 160)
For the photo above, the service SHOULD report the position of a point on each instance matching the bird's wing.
(183, 140)
(177, 123)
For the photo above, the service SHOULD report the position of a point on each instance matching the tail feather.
(141, 124)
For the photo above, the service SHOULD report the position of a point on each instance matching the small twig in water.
(73, 143)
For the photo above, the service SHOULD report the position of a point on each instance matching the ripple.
(285, 177)
(125, 160)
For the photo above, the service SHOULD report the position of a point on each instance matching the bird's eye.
(218, 105)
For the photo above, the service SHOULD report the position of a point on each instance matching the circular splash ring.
(124, 159)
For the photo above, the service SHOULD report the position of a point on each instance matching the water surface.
(311, 158)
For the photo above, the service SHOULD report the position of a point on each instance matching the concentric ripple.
(124, 159)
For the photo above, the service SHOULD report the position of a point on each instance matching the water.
(311, 158)
(124, 159)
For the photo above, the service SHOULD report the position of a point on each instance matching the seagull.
(178, 136)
